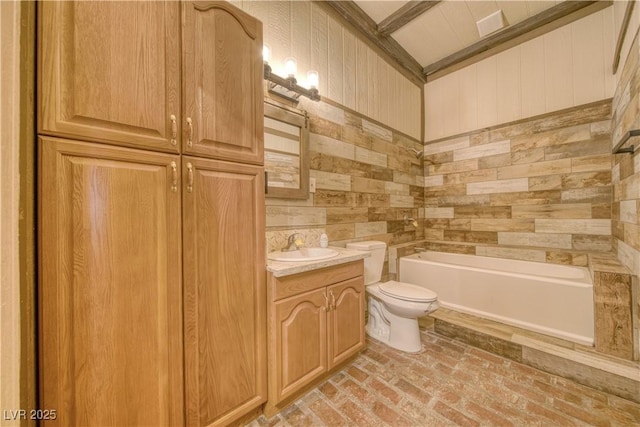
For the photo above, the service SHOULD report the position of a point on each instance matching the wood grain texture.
(346, 320)
(613, 314)
(621, 35)
(109, 86)
(224, 288)
(287, 286)
(316, 325)
(294, 118)
(300, 330)
(27, 222)
(401, 17)
(222, 82)
(110, 303)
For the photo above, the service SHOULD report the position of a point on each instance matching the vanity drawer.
(283, 287)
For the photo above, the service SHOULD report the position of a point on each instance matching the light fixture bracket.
(288, 88)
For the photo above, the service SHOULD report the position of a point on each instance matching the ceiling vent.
(491, 23)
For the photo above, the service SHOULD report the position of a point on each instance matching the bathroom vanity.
(316, 323)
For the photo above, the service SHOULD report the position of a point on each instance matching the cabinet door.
(110, 72)
(110, 303)
(222, 82)
(346, 320)
(299, 325)
(224, 290)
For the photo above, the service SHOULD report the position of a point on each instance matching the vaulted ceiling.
(426, 37)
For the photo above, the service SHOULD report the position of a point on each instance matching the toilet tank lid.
(366, 246)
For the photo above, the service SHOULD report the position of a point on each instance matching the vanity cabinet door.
(224, 290)
(222, 82)
(110, 294)
(300, 329)
(110, 72)
(346, 320)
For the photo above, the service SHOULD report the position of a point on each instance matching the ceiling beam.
(403, 16)
(545, 17)
(356, 17)
(621, 35)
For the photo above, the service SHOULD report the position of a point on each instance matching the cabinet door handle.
(174, 177)
(189, 132)
(174, 129)
(189, 177)
(333, 300)
(326, 303)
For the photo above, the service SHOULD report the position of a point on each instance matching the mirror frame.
(297, 118)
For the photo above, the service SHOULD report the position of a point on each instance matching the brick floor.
(450, 383)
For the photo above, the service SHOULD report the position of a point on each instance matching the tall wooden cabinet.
(225, 322)
(222, 83)
(110, 73)
(110, 288)
(151, 262)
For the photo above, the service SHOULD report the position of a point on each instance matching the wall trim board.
(622, 35)
(403, 16)
(603, 102)
(27, 221)
(593, 7)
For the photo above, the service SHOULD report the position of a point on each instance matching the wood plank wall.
(626, 169)
(568, 67)
(351, 73)
(537, 190)
(10, 307)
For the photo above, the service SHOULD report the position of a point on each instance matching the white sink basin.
(304, 254)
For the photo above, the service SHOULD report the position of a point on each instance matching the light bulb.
(312, 79)
(266, 53)
(290, 66)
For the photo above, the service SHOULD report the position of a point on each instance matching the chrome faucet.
(293, 243)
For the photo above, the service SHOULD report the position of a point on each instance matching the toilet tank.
(373, 264)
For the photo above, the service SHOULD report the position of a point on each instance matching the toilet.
(394, 307)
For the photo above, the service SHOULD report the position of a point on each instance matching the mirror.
(286, 138)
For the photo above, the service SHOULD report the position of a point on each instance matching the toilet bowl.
(394, 307)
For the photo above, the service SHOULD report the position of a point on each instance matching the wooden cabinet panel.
(109, 287)
(346, 320)
(316, 323)
(110, 72)
(224, 290)
(222, 82)
(300, 324)
(287, 286)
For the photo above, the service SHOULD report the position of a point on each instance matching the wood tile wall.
(538, 189)
(626, 169)
(366, 180)
(626, 174)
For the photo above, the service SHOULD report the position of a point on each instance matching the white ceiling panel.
(461, 20)
(513, 11)
(481, 9)
(450, 25)
(429, 37)
(534, 6)
(379, 9)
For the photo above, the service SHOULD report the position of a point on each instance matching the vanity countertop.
(287, 268)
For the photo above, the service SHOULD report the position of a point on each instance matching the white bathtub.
(550, 299)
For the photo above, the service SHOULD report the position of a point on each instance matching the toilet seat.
(407, 292)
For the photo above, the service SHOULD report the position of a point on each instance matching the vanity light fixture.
(288, 87)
